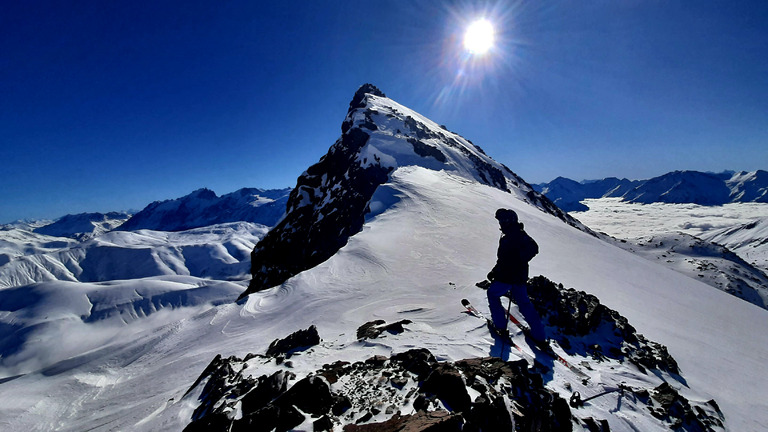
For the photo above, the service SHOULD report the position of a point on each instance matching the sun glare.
(478, 38)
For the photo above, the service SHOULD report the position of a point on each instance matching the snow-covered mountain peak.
(203, 208)
(84, 225)
(332, 197)
(400, 137)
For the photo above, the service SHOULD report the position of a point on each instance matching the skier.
(510, 275)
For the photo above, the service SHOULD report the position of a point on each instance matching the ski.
(547, 350)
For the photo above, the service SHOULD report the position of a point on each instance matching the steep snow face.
(331, 199)
(204, 208)
(85, 225)
(218, 251)
(433, 238)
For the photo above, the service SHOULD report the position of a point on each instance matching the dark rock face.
(327, 206)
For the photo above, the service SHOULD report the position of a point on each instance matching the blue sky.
(111, 105)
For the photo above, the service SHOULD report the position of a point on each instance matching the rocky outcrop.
(581, 325)
(373, 395)
(326, 207)
(374, 329)
(297, 341)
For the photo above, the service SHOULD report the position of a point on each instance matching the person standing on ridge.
(510, 275)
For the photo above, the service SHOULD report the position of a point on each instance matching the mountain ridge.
(203, 207)
(677, 187)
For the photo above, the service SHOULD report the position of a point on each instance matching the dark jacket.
(516, 248)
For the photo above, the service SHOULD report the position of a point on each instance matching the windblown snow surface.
(435, 237)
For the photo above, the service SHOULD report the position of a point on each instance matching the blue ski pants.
(519, 294)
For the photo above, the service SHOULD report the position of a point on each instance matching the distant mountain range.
(677, 187)
(203, 208)
(200, 208)
(83, 225)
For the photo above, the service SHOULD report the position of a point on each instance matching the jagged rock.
(368, 389)
(311, 395)
(267, 389)
(373, 329)
(678, 411)
(214, 422)
(271, 417)
(488, 414)
(541, 408)
(419, 361)
(582, 325)
(324, 423)
(297, 341)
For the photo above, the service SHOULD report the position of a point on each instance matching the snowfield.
(416, 259)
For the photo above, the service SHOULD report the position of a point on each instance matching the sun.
(478, 38)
